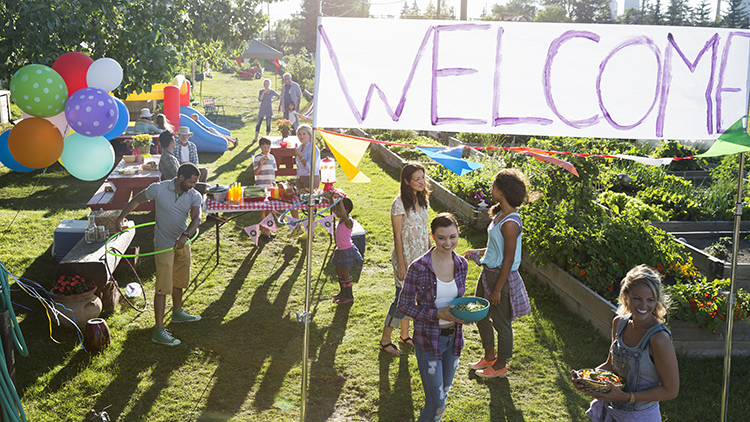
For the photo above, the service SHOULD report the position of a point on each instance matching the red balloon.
(35, 142)
(73, 67)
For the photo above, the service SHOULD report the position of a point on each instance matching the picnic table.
(120, 187)
(285, 159)
(212, 208)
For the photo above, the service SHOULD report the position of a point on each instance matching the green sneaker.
(163, 336)
(180, 315)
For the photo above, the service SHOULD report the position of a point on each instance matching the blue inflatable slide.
(204, 140)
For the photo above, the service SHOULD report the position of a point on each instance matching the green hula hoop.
(304, 201)
(145, 253)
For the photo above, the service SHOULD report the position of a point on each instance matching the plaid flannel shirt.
(417, 300)
(192, 152)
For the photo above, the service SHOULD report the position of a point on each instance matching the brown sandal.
(384, 348)
(407, 340)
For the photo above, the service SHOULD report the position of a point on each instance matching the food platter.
(596, 379)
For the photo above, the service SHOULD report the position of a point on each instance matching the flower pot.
(284, 133)
(96, 335)
(82, 306)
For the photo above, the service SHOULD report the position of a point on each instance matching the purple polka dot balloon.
(91, 112)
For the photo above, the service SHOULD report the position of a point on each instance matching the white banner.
(616, 81)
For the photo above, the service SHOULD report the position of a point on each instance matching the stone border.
(584, 302)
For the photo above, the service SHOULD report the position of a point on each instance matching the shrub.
(623, 204)
(675, 149)
(704, 304)
(302, 68)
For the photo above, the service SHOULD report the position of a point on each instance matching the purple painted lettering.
(361, 116)
(450, 72)
(712, 43)
(720, 85)
(554, 47)
(640, 40)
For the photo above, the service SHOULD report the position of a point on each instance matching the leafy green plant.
(675, 149)
(621, 203)
(720, 249)
(704, 304)
(302, 68)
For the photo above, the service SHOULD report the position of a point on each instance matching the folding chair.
(210, 107)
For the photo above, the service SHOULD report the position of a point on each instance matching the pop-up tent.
(258, 50)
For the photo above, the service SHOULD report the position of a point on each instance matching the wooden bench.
(90, 261)
(101, 199)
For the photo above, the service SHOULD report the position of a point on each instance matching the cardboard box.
(67, 234)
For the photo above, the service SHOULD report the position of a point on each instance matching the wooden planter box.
(581, 300)
(477, 216)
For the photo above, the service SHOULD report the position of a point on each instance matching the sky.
(284, 9)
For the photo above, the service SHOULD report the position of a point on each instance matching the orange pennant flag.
(348, 151)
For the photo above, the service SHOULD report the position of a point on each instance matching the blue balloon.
(123, 119)
(87, 158)
(7, 159)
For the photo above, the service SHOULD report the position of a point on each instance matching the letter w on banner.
(582, 80)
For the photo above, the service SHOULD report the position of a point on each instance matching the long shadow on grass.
(247, 343)
(501, 401)
(53, 190)
(395, 403)
(239, 159)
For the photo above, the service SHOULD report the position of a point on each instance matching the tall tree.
(552, 13)
(150, 39)
(591, 11)
(700, 15)
(514, 9)
(337, 8)
(678, 13)
(736, 15)
(631, 16)
(655, 15)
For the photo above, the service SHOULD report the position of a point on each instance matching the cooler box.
(67, 234)
(359, 237)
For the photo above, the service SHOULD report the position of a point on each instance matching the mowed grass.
(243, 361)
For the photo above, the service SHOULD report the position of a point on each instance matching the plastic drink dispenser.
(328, 173)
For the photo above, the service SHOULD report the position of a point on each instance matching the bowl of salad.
(470, 308)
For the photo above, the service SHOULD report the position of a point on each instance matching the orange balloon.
(35, 142)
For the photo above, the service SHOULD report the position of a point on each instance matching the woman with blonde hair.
(641, 354)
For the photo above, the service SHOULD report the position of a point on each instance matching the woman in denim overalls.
(641, 354)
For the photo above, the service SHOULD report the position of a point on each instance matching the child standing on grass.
(265, 175)
(293, 117)
(346, 254)
(499, 281)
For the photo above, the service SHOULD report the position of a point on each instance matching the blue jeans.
(394, 317)
(437, 377)
(268, 124)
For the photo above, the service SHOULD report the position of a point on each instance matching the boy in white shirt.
(265, 175)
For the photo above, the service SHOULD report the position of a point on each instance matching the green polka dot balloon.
(39, 91)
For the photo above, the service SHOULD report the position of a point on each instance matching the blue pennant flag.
(450, 158)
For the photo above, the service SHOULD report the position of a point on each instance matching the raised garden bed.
(696, 236)
(477, 216)
(687, 340)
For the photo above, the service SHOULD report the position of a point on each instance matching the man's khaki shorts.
(172, 270)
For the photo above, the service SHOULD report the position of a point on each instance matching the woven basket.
(594, 385)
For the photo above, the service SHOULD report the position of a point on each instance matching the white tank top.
(446, 291)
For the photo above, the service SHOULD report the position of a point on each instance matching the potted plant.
(75, 297)
(141, 144)
(285, 126)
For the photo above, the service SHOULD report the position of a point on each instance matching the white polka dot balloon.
(91, 112)
(39, 91)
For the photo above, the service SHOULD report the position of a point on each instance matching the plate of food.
(596, 379)
(470, 308)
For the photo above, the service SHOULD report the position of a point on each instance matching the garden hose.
(9, 400)
(106, 248)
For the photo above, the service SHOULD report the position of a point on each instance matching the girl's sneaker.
(482, 363)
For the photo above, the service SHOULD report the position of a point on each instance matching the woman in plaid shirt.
(431, 282)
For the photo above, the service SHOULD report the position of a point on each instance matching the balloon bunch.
(68, 115)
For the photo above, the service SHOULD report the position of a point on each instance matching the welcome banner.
(583, 80)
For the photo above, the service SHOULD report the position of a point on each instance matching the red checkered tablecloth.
(211, 206)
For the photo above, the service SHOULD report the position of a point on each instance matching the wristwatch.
(186, 234)
(631, 400)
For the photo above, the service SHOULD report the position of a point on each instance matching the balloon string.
(7, 229)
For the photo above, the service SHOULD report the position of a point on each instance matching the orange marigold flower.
(583, 272)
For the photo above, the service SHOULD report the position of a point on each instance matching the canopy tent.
(258, 50)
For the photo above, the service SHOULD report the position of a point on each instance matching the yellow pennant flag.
(348, 151)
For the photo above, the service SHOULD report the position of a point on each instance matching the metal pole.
(718, 10)
(730, 301)
(464, 7)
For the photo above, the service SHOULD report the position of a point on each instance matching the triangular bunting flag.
(556, 161)
(270, 223)
(348, 151)
(450, 158)
(293, 222)
(327, 224)
(252, 231)
(734, 140)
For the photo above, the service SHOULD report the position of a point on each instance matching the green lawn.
(243, 361)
